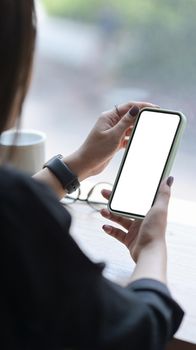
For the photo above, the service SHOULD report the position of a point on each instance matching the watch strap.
(66, 177)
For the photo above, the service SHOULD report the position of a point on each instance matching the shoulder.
(22, 194)
(32, 216)
(29, 206)
(12, 179)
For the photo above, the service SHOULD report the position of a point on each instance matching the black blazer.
(53, 297)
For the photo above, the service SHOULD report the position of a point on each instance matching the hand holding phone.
(136, 235)
(147, 161)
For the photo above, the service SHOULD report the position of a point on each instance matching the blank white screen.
(145, 162)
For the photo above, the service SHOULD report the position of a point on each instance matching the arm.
(74, 163)
(151, 250)
(146, 243)
(152, 263)
(106, 138)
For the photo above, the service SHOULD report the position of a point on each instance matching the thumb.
(163, 196)
(127, 120)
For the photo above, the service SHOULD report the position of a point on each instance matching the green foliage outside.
(165, 29)
(132, 11)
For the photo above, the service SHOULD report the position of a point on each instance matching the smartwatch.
(66, 177)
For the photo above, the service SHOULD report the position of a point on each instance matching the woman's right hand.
(138, 235)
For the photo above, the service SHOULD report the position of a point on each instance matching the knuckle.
(102, 115)
(165, 191)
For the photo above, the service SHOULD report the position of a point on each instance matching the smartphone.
(147, 161)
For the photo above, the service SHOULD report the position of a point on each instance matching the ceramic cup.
(27, 149)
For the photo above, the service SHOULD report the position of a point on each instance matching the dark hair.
(17, 41)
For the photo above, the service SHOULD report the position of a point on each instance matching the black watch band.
(66, 177)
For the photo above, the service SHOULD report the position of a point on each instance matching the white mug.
(25, 148)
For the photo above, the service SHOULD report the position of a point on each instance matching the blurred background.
(93, 54)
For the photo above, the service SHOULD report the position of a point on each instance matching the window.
(91, 56)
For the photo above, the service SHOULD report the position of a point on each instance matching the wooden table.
(181, 240)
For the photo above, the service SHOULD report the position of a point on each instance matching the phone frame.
(169, 162)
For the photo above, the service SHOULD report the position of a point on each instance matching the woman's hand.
(140, 235)
(107, 137)
(109, 134)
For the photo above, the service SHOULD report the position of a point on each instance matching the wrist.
(156, 246)
(152, 262)
(65, 176)
(76, 164)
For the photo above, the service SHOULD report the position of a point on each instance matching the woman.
(52, 296)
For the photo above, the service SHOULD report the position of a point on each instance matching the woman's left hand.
(109, 134)
(138, 235)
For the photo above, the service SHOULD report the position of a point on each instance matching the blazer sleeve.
(141, 316)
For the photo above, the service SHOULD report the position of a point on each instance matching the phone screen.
(144, 163)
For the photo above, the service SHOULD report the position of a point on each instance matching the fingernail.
(107, 228)
(134, 111)
(170, 181)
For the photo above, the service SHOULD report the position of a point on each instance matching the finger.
(125, 139)
(124, 108)
(126, 121)
(163, 196)
(106, 193)
(129, 131)
(116, 218)
(115, 232)
(125, 143)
